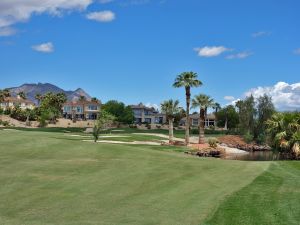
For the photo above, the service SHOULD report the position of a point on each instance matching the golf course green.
(50, 178)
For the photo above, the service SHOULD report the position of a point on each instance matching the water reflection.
(257, 156)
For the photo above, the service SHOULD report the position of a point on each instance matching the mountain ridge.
(31, 89)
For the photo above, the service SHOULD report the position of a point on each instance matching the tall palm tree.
(187, 80)
(170, 108)
(82, 100)
(22, 94)
(38, 97)
(203, 102)
(216, 107)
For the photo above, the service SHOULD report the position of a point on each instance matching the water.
(257, 156)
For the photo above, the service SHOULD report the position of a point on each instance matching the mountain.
(32, 89)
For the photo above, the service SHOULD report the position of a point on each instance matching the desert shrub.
(4, 123)
(261, 139)
(248, 138)
(213, 142)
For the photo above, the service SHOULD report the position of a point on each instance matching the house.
(210, 120)
(144, 114)
(12, 102)
(82, 110)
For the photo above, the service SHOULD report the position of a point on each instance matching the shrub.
(248, 138)
(213, 142)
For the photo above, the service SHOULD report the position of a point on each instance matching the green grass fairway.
(49, 178)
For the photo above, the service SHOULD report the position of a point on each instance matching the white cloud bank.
(44, 48)
(16, 11)
(211, 51)
(102, 16)
(285, 96)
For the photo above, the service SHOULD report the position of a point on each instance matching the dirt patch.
(232, 140)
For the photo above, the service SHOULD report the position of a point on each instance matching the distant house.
(81, 110)
(12, 102)
(143, 114)
(210, 120)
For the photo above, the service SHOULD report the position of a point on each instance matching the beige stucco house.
(144, 114)
(12, 102)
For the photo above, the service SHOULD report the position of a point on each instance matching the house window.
(78, 109)
(148, 120)
(195, 122)
(67, 108)
(92, 107)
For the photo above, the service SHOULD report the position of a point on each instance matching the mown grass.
(50, 178)
(272, 198)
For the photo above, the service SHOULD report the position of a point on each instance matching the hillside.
(42, 88)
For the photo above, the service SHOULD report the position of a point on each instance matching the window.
(67, 108)
(195, 122)
(93, 107)
(78, 109)
(148, 120)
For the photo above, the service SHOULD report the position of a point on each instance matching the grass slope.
(273, 198)
(47, 178)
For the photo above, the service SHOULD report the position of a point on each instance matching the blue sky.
(131, 50)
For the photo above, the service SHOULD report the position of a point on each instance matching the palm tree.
(4, 94)
(38, 97)
(82, 99)
(22, 94)
(203, 102)
(187, 80)
(170, 108)
(284, 131)
(216, 107)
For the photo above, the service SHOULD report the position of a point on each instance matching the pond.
(257, 156)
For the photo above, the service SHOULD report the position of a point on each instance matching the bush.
(261, 139)
(4, 123)
(213, 142)
(248, 138)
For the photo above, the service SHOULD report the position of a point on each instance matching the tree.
(81, 98)
(22, 94)
(38, 97)
(5, 93)
(265, 110)
(104, 121)
(216, 107)
(51, 105)
(284, 132)
(203, 102)
(229, 117)
(187, 80)
(170, 108)
(122, 113)
(247, 114)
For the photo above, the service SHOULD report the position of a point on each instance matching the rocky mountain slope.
(42, 88)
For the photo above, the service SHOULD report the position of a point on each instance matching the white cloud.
(7, 31)
(241, 55)
(105, 1)
(261, 34)
(102, 16)
(229, 98)
(285, 96)
(297, 51)
(152, 105)
(15, 11)
(211, 51)
(45, 47)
